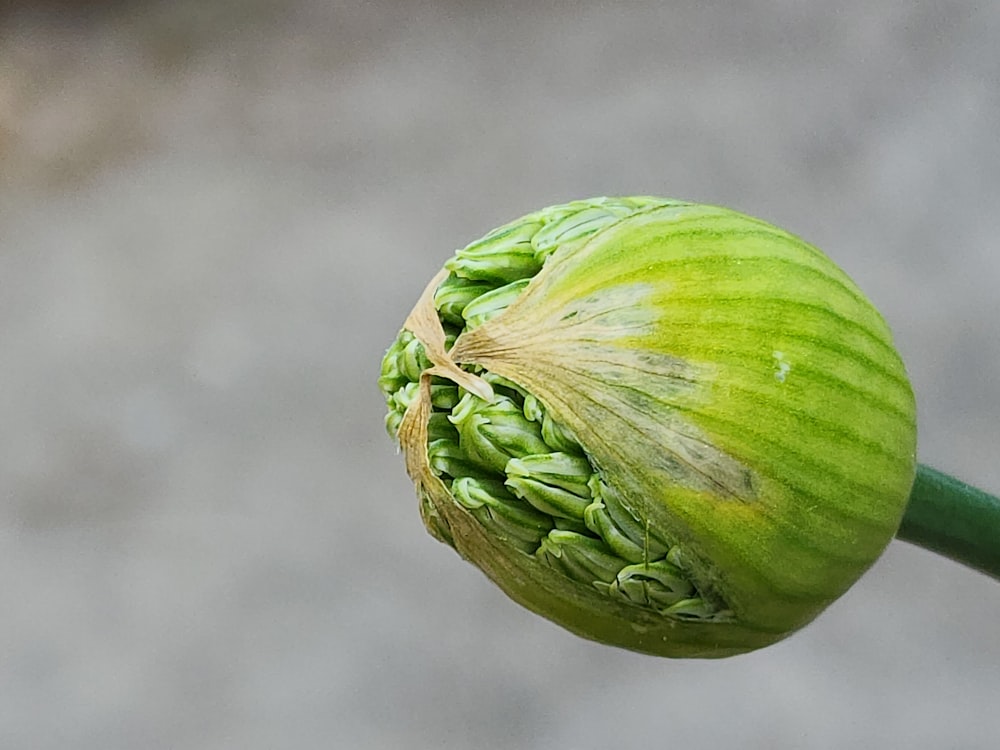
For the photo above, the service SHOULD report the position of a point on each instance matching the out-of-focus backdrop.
(215, 215)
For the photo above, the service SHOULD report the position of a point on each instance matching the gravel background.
(214, 217)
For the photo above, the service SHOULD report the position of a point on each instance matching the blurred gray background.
(214, 217)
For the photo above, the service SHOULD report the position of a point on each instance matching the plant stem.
(954, 520)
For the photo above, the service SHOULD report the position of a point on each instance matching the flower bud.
(665, 426)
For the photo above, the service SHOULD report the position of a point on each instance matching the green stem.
(954, 520)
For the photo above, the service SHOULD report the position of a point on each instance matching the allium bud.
(665, 426)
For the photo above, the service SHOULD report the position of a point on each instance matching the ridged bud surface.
(666, 426)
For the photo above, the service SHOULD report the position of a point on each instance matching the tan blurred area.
(57, 124)
(214, 217)
(88, 84)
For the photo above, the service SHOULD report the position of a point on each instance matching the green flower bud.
(498, 510)
(455, 294)
(552, 433)
(665, 426)
(492, 303)
(571, 473)
(502, 256)
(491, 433)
